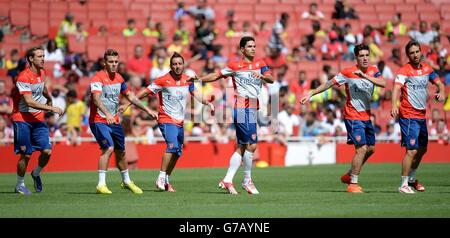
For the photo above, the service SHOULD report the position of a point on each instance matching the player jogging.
(247, 75)
(173, 89)
(359, 83)
(31, 99)
(106, 87)
(411, 85)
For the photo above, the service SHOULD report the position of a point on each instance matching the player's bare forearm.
(267, 78)
(47, 96)
(29, 101)
(210, 77)
(441, 91)
(142, 94)
(99, 104)
(380, 82)
(322, 87)
(396, 95)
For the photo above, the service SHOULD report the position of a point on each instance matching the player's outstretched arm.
(380, 82)
(143, 93)
(47, 96)
(318, 90)
(395, 98)
(32, 103)
(204, 101)
(137, 102)
(98, 102)
(211, 77)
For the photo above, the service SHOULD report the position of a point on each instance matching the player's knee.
(109, 150)
(412, 153)
(47, 152)
(362, 149)
(423, 150)
(251, 147)
(371, 150)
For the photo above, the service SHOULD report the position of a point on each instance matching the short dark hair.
(72, 93)
(30, 52)
(360, 47)
(410, 44)
(176, 55)
(110, 52)
(244, 41)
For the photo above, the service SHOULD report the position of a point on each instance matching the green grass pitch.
(307, 191)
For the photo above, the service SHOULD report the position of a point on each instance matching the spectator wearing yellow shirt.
(375, 52)
(75, 111)
(176, 45)
(131, 29)
(13, 60)
(66, 27)
(396, 26)
(183, 32)
(155, 31)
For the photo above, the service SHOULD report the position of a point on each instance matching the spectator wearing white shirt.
(423, 35)
(52, 53)
(288, 120)
(313, 13)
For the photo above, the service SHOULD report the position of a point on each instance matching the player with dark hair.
(247, 75)
(411, 86)
(173, 89)
(359, 83)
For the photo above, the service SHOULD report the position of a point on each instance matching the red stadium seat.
(94, 52)
(39, 27)
(76, 46)
(20, 17)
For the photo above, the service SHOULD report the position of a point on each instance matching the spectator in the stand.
(294, 56)
(435, 52)
(2, 58)
(67, 27)
(385, 70)
(246, 31)
(202, 8)
(139, 65)
(435, 117)
(396, 57)
(301, 86)
(343, 10)
(52, 53)
(330, 122)
(277, 38)
(391, 38)
(6, 103)
(423, 35)
(280, 81)
(313, 13)
(436, 29)
(376, 54)
(275, 60)
(288, 119)
(159, 69)
(390, 133)
(81, 34)
(122, 70)
(441, 131)
(310, 126)
(183, 32)
(369, 31)
(333, 48)
(217, 57)
(232, 29)
(349, 41)
(75, 112)
(263, 30)
(396, 26)
(180, 12)
(176, 45)
(13, 60)
(310, 54)
(149, 29)
(6, 132)
(131, 29)
(102, 31)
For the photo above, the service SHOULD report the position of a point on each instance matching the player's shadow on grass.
(343, 191)
(7, 192)
(82, 193)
